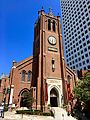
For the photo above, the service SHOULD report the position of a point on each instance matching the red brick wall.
(16, 78)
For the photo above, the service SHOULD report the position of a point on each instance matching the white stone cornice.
(13, 67)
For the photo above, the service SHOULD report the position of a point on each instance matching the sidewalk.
(13, 116)
(60, 114)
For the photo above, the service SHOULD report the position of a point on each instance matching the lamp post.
(44, 93)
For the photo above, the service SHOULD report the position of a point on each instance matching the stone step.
(61, 114)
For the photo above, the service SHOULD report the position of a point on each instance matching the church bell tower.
(48, 66)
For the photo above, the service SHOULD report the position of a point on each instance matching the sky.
(17, 18)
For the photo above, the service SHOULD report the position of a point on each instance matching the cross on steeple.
(50, 11)
(42, 8)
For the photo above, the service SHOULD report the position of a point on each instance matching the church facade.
(45, 73)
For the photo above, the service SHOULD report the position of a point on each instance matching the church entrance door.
(54, 97)
(53, 101)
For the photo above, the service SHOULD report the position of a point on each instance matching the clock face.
(52, 40)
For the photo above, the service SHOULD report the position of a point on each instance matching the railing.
(53, 111)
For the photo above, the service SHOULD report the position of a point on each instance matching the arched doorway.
(54, 96)
(23, 99)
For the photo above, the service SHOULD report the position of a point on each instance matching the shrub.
(34, 112)
(46, 114)
(31, 112)
(5, 108)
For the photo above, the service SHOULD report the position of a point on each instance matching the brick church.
(45, 73)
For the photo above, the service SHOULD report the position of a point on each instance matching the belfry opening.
(54, 97)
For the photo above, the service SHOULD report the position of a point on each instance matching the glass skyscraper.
(76, 25)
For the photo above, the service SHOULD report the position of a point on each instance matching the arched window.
(29, 75)
(49, 24)
(24, 97)
(23, 75)
(54, 27)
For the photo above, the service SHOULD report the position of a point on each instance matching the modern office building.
(76, 25)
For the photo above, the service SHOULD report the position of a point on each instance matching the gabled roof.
(29, 59)
(72, 71)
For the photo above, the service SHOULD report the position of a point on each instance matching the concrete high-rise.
(76, 24)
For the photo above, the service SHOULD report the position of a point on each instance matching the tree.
(29, 100)
(82, 89)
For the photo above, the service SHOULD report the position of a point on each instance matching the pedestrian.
(69, 108)
(2, 110)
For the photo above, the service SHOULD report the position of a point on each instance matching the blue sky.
(17, 19)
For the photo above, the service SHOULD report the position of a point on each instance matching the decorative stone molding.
(57, 84)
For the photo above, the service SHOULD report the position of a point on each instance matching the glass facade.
(76, 24)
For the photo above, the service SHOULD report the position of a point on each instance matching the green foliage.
(34, 112)
(49, 105)
(8, 90)
(31, 112)
(29, 99)
(5, 108)
(82, 90)
(47, 114)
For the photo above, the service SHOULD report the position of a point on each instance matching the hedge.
(34, 112)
